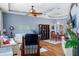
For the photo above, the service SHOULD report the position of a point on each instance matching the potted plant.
(72, 43)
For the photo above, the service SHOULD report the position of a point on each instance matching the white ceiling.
(54, 10)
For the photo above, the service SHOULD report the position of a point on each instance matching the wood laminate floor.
(52, 49)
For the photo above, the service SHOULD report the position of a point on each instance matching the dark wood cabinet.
(44, 31)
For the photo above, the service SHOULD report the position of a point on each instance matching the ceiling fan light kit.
(33, 12)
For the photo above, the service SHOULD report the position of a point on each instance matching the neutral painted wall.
(77, 16)
(1, 22)
(25, 23)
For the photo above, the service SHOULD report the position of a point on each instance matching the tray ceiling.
(53, 10)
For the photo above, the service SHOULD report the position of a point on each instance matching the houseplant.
(73, 41)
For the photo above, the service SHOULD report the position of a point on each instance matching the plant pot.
(67, 51)
(75, 51)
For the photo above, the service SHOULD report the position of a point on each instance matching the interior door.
(44, 31)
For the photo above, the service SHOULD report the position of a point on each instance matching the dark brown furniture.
(55, 36)
(44, 31)
(30, 45)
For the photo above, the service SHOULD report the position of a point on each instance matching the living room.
(47, 21)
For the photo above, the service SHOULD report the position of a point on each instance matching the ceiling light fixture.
(33, 12)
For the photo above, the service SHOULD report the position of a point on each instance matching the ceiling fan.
(33, 12)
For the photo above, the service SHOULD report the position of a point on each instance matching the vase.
(75, 51)
(67, 51)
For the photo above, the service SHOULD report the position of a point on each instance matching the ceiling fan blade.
(38, 13)
(34, 13)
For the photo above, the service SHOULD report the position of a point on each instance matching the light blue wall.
(25, 23)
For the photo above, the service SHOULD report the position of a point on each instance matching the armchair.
(30, 45)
